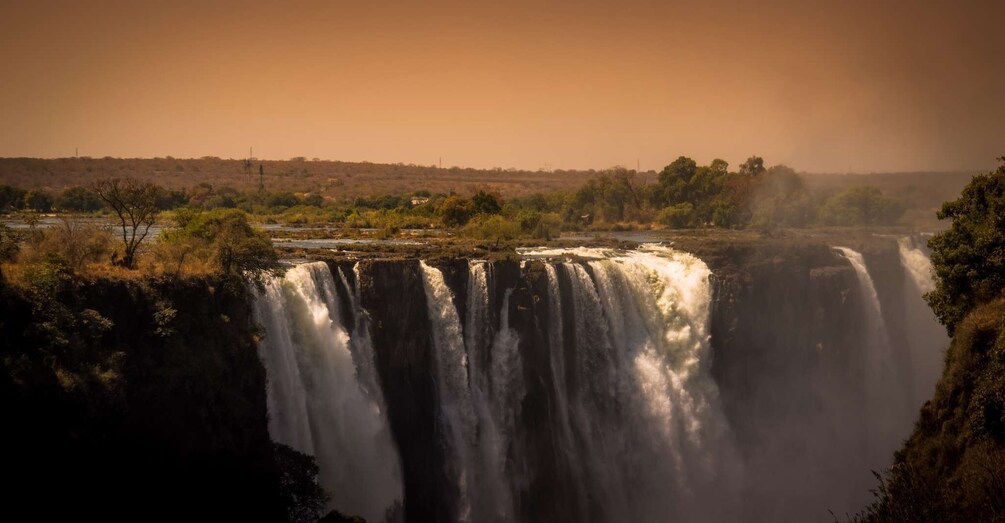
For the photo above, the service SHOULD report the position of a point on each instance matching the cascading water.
(638, 428)
(319, 402)
(636, 395)
(478, 384)
(888, 406)
(578, 386)
(927, 339)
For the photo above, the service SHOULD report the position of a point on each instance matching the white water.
(457, 413)
(888, 410)
(927, 339)
(633, 417)
(478, 379)
(318, 402)
(653, 442)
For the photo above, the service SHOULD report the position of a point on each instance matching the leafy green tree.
(969, 257)
(456, 211)
(731, 207)
(676, 216)
(298, 485)
(224, 239)
(11, 198)
(39, 201)
(135, 204)
(78, 199)
(485, 203)
(681, 168)
(863, 205)
(753, 166)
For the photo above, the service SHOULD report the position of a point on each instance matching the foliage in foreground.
(139, 400)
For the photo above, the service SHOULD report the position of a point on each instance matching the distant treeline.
(684, 195)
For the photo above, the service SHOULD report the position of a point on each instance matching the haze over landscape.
(821, 86)
(510, 262)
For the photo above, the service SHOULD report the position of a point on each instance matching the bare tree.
(135, 204)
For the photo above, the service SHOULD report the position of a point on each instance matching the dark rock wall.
(135, 401)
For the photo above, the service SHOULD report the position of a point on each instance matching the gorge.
(654, 383)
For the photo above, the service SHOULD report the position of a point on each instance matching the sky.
(849, 86)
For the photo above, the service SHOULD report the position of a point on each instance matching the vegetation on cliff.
(969, 257)
(952, 468)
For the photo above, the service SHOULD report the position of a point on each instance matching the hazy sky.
(821, 86)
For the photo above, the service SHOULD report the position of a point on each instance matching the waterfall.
(580, 387)
(652, 439)
(457, 414)
(319, 403)
(927, 339)
(887, 409)
(478, 382)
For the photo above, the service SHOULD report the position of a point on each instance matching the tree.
(224, 239)
(681, 168)
(135, 204)
(862, 205)
(39, 201)
(485, 203)
(11, 198)
(753, 166)
(719, 166)
(298, 484)
(674, 180)
(78, 199)
(969, 257)
(455, 211)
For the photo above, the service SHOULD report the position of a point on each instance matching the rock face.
(134, 401)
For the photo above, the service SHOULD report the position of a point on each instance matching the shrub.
(676, 216)
(223, 239)
(492, 227)
(74, 242)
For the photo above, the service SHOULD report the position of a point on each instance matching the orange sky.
(838, 86)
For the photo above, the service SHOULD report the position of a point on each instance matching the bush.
(73, 242)
(493, 227)
(223, 239)
(676, 216)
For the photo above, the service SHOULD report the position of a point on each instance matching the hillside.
(343, 180)
(923, 192)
